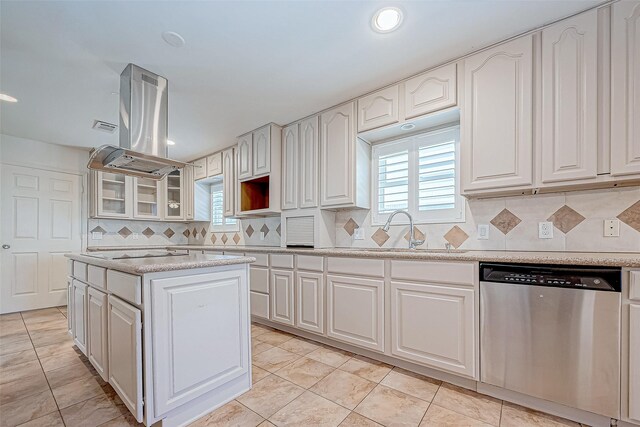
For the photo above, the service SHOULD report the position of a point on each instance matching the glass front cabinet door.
(174, 202)
(146, 196)
(113, 195)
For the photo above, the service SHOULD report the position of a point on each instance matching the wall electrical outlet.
(358, 234)
(96, 235)
(483, 231)
(135, 236)
(262, 235)
(545, 230)
(611, 228)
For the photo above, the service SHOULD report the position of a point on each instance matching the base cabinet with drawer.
(97, 331)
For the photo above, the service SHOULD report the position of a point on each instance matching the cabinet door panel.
(245, 161)
(259, 279)
(200, 168)
(309, 163)
(97, 319)
(260, 305)
(214, 164)
(228, 182)
(310, 302)
(281, 297)
(290, 175)
(378, 109)
(446, 339)
(355, 311)
(337, 142)
(430, 91)
(625, 88)
(262, 151)
(80, 315)
(634, 362)
(125, 354)
(497, 117)
(70, 307)
(569, 145)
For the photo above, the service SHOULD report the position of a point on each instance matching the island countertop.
(155, 264)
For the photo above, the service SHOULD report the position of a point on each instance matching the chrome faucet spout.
(412, 241)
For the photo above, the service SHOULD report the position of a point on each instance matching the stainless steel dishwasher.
(552, 332)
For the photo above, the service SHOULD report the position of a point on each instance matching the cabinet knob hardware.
(6, 246)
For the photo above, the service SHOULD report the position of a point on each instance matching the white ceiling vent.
(104, 126)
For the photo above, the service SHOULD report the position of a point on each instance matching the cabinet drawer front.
(378, 109)
(282, 261)
(358, 266)
(458, 273)
(634, 285)
(262, 260)
(311, 263)
(97, 276)
(259, 279)
(430, 91)
(126, 286)
(80, 270)
(260, 305)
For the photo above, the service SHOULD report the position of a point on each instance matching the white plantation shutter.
(218, 221)
(393, 181)
(437, 177)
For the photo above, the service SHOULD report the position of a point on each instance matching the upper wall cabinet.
(214, 164)
(111, 195)
(228, 182)
(245, 162)
(290, 175)
(262, 151)
(569, 145)
(200, 169)
(496, 146)
(309, 159)
(430, 91)
(146, 193)
(378, 109)
(625, 88)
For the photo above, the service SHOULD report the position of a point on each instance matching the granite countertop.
(140, 266)
(612, 259)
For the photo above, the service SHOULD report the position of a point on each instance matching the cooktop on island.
(136, 254)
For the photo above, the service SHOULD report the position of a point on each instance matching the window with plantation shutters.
(218, 220)
(419, 174)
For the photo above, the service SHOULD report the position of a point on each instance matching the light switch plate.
(545, 230)
(262, 235)
(96, 235)
(358, 234)
(135, 236)
(612, 227)
(483, 231)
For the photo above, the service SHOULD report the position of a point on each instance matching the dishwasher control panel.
(578, 277)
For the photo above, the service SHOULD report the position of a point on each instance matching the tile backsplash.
(252, 232)
(117, 232)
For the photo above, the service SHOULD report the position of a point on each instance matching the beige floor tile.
(305, 372)
(57, 325)
(126, 420)
(53, 419)
(330, 356)
(44, 314)
(27, 409)
(274, 337)
(344, 388)
(49, 336)
(93, 412)
(10, 316)
(469, 403)
(258, 373)
(63, 310)
(518, 416)
(68, 374)
(364, 367)
(62, 360)
(413, 384)
(257, 329)
(266, 423)
(57, 349)
(78, 391)
(270, 395)
(12, 327)
(12, 359)
(233, 414)
(310, 410)
(299, 346)
(19, 389)
(357, 420)
(14, 338)
(274, 359)
(438, 416)
(258, 347)
(16, 372)
(392, 408)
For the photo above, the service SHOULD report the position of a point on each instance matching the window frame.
(412, 143)
(218, 185)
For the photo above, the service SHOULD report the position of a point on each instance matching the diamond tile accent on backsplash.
(213, 239)
(186, 233)
(350, 226)
(194, 233)
(236, 238)
(124, 232)
(417, 234)
(203, 233)
(505, 221)
(265, 229)
(565, 219)
(249, 230)
(380, 237)
(631, 216)
(279, 230)
(99, 229)
(456, 236)
(169, 233)
(224, 239)
(148, 232)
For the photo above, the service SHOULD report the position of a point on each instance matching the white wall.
(28, 152)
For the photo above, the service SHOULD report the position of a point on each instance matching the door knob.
(5, 246)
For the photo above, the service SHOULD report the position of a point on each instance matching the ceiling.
(245, 63)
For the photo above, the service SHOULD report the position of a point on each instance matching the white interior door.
(41, 221)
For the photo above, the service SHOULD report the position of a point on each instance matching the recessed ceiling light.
(387, 19)
(5, 97)
(407, 126)
(173, 39)
(170, 142)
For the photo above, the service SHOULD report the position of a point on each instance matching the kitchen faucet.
(412, 241)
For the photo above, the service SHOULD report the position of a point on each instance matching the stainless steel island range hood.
(143, 129)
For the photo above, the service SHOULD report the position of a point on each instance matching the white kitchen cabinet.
(569, 143)
(200, 169)
(634, 362)
(262, 151)
(260, 305)
(125, 353)
(355, 311)
(496, 121)
(214, 164)
(431, 91)
(80, 315)
(97, 332)
(228, 182)
(245, 150)
(309, 305)
(70, 305)
(625, 88)
(445, 340)
(259, 279)
(146, 194)
(186, 337)
(308, 166)
(345, 160)
(281, 296)
(174, 195)
(379, 108)
(113, 198)
(189, 194)
(290, 163)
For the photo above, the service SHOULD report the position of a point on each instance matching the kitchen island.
(169, 331)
